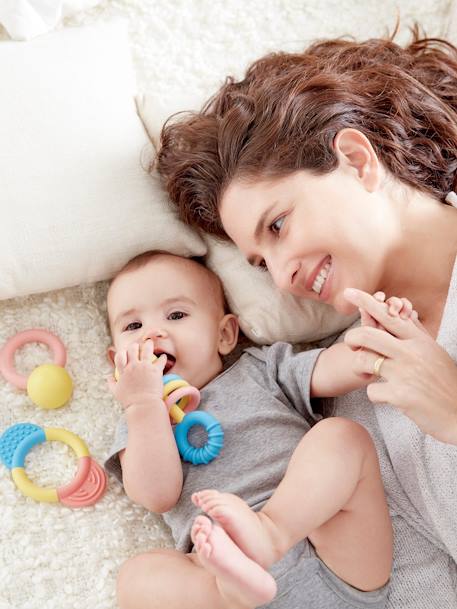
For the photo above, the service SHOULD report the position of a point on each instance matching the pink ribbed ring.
(191, 392)
(36, 335)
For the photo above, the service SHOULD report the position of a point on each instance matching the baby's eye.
(175, 315)
(133, 325)
(276, 226)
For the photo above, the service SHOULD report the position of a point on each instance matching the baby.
(300, 510)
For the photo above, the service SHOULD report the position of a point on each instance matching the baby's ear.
(110, 353)
(228, 334)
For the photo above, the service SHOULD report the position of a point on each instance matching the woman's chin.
(343, 307)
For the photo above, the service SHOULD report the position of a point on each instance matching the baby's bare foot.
(240, 579)
(249, 530)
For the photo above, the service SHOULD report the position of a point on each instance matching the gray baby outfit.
(263, 405)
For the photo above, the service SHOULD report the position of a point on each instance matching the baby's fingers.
(161, 362)
(407, 309)
(400, 306)
(395, 305)
(120, 361)
(133, 352)
(394, 324)
(147, 351)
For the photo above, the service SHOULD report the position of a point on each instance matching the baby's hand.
(401, 307)
(140, 378)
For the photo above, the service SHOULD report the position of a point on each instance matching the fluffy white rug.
(56, 557)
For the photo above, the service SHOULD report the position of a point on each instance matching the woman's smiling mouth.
(317, 278)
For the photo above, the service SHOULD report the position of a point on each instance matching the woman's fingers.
(380, 393)
(401, 328)
(365, 318)
(373, 339)
(365, 362)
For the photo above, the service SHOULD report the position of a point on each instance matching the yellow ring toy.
(87, 486)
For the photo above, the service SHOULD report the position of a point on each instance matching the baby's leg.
(218, 576)
(331, 493)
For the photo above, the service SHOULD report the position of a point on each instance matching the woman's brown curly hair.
(283, 116)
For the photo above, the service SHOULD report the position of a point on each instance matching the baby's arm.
(151, 466)
(334, 373)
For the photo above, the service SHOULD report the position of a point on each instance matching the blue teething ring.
(214, 444)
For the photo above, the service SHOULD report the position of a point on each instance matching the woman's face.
(317, 235)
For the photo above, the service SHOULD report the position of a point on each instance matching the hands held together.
(418, 377)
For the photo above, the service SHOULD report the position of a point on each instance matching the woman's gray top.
(420, 478)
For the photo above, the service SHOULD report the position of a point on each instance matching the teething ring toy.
(203, 454)
(48, 385)
(177, 394)
(182, 400)
(85, 489)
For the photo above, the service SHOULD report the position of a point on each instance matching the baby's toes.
(207, 500)
(204, 496)
(200, 530)
(220, 513)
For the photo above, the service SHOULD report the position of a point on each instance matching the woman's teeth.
(321, 277)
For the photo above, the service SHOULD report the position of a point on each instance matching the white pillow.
(25, 19)
(75, 200)
(267, 315)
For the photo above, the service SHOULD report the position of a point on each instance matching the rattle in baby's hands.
(182, 400)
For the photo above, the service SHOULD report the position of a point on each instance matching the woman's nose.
(282, 273)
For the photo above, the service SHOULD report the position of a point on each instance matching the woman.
(331, 169)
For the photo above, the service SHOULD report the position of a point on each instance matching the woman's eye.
(277, 225)
(134, 325)
(262, 266)
(175, 315)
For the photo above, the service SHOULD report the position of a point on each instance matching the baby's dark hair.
(284, 114)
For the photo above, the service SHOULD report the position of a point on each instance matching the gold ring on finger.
(377, 366)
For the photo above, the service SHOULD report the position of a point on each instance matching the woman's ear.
(228, 334)
(356, 154)
(110, 353)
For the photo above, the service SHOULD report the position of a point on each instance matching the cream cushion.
(76, 201)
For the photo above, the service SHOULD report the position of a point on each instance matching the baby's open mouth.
(171, 360)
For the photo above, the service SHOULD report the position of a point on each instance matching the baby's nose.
(157, 333)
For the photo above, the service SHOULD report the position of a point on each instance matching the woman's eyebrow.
(259, 229)
(261, 221)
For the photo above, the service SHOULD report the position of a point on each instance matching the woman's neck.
(420, 265)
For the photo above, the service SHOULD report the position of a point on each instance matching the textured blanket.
(53, 556)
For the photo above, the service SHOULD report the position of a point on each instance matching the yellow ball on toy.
(49, 386)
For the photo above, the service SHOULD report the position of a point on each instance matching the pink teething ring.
(87, 487)
(7, 365)
(190, 392)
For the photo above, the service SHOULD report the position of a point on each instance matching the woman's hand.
(140, 378)
(419, 377)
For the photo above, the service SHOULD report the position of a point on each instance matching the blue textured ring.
(214, 444)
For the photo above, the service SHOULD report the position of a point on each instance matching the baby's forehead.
(162, 273)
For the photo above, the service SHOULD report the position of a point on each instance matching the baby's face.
(178, 305)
